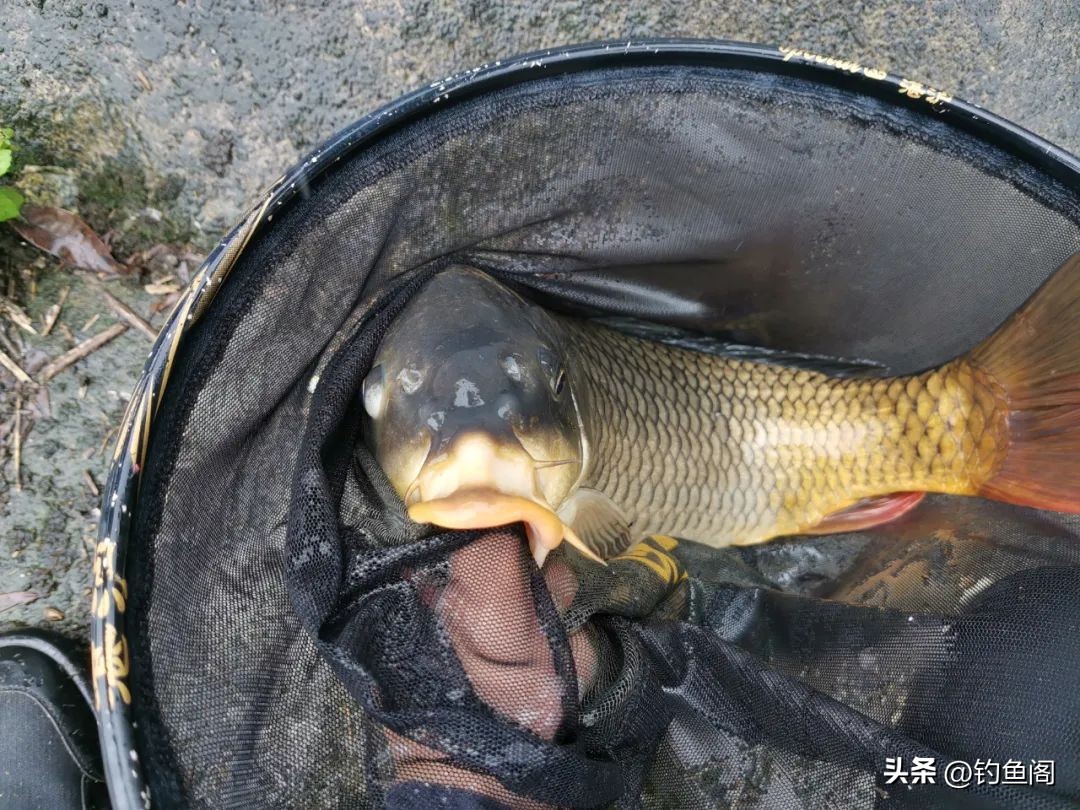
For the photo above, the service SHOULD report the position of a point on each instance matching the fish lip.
(469, 495)
(486, 508)
(477, 508)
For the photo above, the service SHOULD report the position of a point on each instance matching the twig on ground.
(91, 484)
(125, 312)
(17, 443)
(109, 436)
(17, 316)
(163, 287)
(8, 345)
(93, 319)
(54, 312)
(15, 369)
(84, 349)
(15, 598)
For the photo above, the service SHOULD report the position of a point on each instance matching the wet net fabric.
(296, 642)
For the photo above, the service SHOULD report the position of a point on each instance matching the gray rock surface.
(162, 120)
(215, 99)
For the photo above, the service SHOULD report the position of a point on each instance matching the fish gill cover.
(295, 640)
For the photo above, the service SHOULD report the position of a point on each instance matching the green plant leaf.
(5, 161)
(10, 203)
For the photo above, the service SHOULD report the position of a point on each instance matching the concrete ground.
(161, 121)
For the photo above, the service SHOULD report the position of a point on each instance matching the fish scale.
(744, 451)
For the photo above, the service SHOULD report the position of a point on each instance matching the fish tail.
(1031, 367)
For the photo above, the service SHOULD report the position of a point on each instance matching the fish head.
(472, 410)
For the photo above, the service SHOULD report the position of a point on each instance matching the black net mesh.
(296, 642)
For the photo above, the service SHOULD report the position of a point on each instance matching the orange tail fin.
(1035, 358)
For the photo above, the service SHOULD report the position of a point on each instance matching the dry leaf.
(53, 614)
(167, 258)
(15, 598)
(65, 235)
(141, 258)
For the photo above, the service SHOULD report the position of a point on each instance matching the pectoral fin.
(867, 512)
(600, 524)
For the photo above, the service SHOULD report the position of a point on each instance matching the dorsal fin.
(710, 344)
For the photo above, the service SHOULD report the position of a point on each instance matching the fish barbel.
(486, 409)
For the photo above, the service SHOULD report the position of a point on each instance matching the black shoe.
(49, 754)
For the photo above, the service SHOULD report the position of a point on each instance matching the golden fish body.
(731, 452)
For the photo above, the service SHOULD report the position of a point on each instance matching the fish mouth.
(480, 483)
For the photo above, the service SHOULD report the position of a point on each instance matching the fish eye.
(374, 392)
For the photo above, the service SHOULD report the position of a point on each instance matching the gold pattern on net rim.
(908, 87)
(111, 662)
